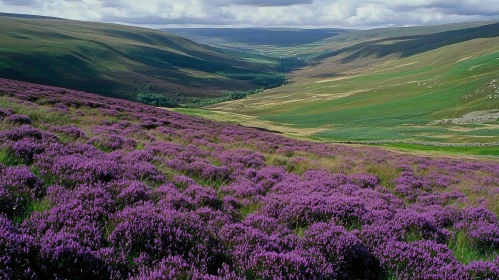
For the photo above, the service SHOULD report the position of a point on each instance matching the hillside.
(99, 188)
(441, 87)
(122, 61)
(308, 44)
(329, 46)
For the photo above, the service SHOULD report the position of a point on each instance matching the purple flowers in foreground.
(119, 190)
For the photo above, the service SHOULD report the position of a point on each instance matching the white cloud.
(309, 13)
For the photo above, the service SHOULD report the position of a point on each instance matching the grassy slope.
(308, 44)
(114, 60)
(359, 94)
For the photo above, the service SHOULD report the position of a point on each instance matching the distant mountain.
(285, 37)
(26, 16)
(122, 61)
(268, 41)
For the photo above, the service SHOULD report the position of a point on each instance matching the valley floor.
(447, 95)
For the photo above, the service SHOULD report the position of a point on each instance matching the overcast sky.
(275, 13)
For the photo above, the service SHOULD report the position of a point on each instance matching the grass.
(48, 179)
(36, 114)
(300, 231)
(465, 251)
(248, 209)
(8, 159)
(34, 206)
(480, 151)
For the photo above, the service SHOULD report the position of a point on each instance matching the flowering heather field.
(98, 188)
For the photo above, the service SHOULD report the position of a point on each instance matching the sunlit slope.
(391, 97)
(116, 60)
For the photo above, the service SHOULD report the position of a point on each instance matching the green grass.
(8, 159)
(465, 251)
(248, 209)
(366, 133)
(480, 151)
(36, 114)
(404, 111)
(34, 206)
(300, 231)
(48, 179)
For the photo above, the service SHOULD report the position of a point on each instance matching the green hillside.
(441, 87)
(331, 45)
(121, 61)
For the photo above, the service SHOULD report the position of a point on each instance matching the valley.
(234, 140)
(391, 86)
(373, 91)
(127, 62)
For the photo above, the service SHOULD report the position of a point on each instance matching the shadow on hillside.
(67, 70)
(326, 75)
(163, 41)
(261, 37)
(412, 45)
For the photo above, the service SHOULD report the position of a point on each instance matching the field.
(100, 188)
(140, 64)
(441, 87)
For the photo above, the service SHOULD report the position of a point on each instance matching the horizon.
(21, 15)
(296, 14)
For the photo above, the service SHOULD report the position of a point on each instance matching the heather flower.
(131, 192)
(18, 186)
(16, 248)
(26, 149)
(111, 212)
(19, 119)
(350, 258)
(70, 130)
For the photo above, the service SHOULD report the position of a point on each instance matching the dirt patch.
(336, 79)
(470, 118)
(464, 58)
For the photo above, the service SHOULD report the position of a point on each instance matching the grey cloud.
(296, 13)
(260, 3)
(19, 2)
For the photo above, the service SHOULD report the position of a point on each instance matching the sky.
(261, 13)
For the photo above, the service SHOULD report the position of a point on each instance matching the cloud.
(19, 2)
(259, 3)
(296, 13)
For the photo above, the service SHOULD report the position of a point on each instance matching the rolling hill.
(274, 42)
(441, 87)
(341, 41)
(422, 84)
(122, 61)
